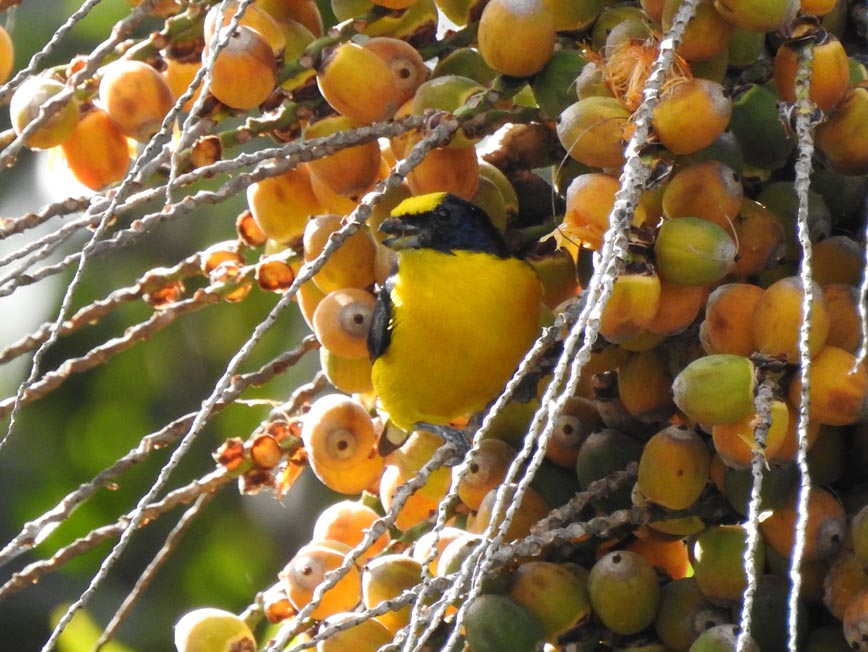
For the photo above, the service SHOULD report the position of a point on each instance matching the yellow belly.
(460, 326)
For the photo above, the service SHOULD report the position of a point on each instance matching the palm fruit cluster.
(706, 313)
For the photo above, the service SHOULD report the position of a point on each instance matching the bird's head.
(443, 222)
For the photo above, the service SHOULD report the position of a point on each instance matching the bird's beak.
(404, 234)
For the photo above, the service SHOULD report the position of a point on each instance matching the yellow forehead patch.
(420, 204)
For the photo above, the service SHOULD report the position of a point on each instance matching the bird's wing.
(380, 333)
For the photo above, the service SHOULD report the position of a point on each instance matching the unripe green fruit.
(756, 124)
(496, 623)
(685, 613)
(717, 563)
(624, 591)
(693, 251)
(604, 452)
(758, 16)
(213, 630)
(553, 85)
(716, 389)
(556, 594)
(721, 638)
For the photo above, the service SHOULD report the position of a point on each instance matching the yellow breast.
(460, 325)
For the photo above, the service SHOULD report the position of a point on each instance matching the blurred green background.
(237, 546)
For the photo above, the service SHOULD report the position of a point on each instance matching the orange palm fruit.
(691, 115)
(825, 530)
(347, 521)
(830, 72)
(340, 440)
(777, 319)
(136, 97)
(728, 313)
(710, 189)
(96, 152)
(838, 390)
(632, 304)
(306, 571)
(673, 469)
(516, 53)
(245, 71)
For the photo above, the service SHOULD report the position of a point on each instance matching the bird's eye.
(442, 215)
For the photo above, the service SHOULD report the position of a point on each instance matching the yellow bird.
(454, 318)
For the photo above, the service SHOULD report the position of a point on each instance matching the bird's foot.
(458, 439)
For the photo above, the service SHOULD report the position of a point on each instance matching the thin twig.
(91, 314)
(36, 531)
(750, 560)
(805, 124)
(29, 575)
(144, 580)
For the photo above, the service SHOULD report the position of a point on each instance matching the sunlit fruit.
(715, 389)
(342, 319)
(556, 594)
(624, 591)
(777, 319)
(446, 169)
(307, 570)
(501, 45)
(830, 72)
(593, 131)
(838, 390)
(25, 106)
(208, 629)
(136, 97)
(419, 506)
(707, 33)
(340, 441)
(423, 549)
(496, 623)
(254, 17)
(406, 64)
(385, 578)
(693, 251)
(691, 115)
(632, 304)
(245, 71)
(348, 521)
(673, 469)
(718, 563)
(486, 470)
(96, 153)
(349, 171)
(736, 442)
(590, 198)
(7, 55)
(282, 204)
(530, 510)
(358, 84)
(710, 190)
(825, 530)
(352, 265)
(365, 636)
